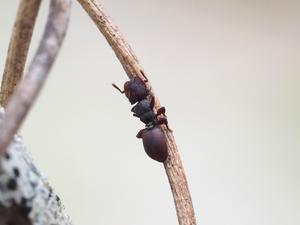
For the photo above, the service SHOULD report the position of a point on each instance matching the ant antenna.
(116, 87)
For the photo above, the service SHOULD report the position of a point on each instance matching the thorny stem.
(28, 89)
(18, 47)
(129, 61)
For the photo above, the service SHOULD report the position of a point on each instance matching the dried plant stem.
(29, 88)
(18, 47)
(173, 164)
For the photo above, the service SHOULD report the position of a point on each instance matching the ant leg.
(136, 115)
(116, 87)
(146, 79)
(140, 133)
(161, 110)
(163, 121)
(144, 75)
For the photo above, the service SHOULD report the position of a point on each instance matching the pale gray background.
(228, 74)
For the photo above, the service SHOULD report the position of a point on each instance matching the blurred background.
(227, 73)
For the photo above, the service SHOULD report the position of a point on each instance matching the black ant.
(153, 138)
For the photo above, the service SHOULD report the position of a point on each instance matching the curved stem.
(29, 88)
(173, 164)
(18, 47)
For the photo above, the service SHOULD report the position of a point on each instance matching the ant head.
(135, 90)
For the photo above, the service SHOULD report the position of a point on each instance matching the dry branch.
(27, 91)
(173, 164)
(18, 47)
(26, 197)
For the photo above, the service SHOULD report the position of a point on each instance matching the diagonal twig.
(29, 88)
(18, 47)
(173, 164)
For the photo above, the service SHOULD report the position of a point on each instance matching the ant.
(153, 138)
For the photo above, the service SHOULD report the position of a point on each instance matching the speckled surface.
(24, 186)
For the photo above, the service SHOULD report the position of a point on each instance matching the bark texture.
(18, 47)
(26, 197)
(130, 63)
